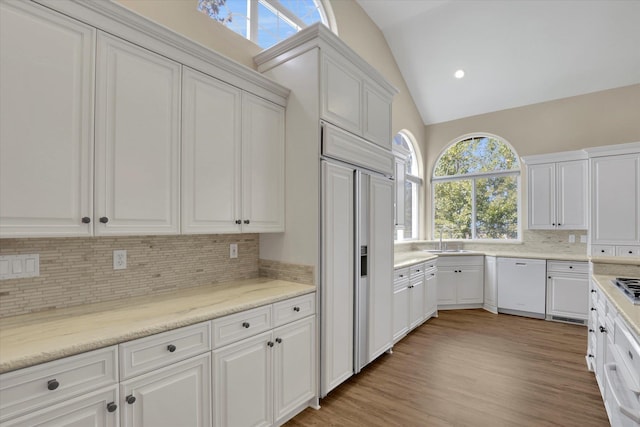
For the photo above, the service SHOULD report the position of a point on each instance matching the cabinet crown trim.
(612, 150)
(318, 35)
(116, 19)
(563, 156)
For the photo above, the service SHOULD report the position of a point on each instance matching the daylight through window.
(265, 22)
(476, 188)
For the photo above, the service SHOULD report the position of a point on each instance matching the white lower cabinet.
(567, 291)
(96, 409)
(176, 395)
(45, 391)
(266, 379)
(460, 282)
(491, 284)
(414, 297)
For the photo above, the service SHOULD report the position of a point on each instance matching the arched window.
(476, 188)
(404, 146)
(266, 22)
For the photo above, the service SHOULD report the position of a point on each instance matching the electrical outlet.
(120, 260)
(233, 250)
(572, 238)
(583, 238)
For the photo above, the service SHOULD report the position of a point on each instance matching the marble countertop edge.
(40, 337)
(630, 312)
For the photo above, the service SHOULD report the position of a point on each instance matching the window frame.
(252, 21)
(473, 177)
(414, 179)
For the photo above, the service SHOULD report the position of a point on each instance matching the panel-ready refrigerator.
(357, 269)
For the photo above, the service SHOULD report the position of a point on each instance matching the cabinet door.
(262, 165)
(470, 285)
(211, 155)
(294, 374)
(341, 94)
(615, 216)
(447, 285)
(243, 384)
(338, 276)
(430, 294)
(377, 117)
(178, 395)
(380, 265)
(400, 312)
(137, 140)
(96, 409)
(490, 283)
(416, 296)
(572, 197)
(46, 111)
(568, 296)
(542, 196)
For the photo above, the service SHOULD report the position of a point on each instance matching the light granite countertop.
(44, 336)
(406, 259)
(630, 312)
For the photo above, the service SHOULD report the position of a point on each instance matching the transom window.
(476, 188)
(411, 189)
(265, 22)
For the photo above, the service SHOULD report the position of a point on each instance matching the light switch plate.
(583, 238)
(19, 266)
(233, 250)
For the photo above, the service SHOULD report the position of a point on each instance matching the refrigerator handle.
(363, 261)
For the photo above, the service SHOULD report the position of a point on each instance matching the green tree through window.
(476, 189)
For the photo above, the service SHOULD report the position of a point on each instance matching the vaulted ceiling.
(513, 52)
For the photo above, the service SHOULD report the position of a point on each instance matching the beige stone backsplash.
(76, 271)
(284, 271)
(533, 241)
(618, 270)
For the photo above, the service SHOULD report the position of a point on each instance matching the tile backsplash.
(77, 271)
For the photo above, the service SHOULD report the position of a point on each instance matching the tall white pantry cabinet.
(330, 83)
(94, 115)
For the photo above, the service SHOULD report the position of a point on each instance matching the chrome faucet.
(440, 248)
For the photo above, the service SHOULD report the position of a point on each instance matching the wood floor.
(472, 368)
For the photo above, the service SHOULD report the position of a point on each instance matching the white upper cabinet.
(354, 102)
(376, 125)
(232, 159)
(341, 91)
(262, 165)
(557, 191)
(211, 155)
(137, 140)
(615, 192)
(46, 123)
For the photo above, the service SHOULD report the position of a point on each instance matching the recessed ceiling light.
(459, 74)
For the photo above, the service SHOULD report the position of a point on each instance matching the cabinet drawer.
(241, 325)
(400, 274)
(416, 270)
(568, 267)
(429, 265)
(293, 309)
(628, 349)
(42, 385)
(603, 250)
(630, 251)
(149, 353)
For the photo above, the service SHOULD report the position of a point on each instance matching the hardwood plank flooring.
(472, 368)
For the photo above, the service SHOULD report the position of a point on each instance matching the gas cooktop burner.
(630, 287)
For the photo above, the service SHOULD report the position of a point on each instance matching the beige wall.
(182, 16)
(596, 119)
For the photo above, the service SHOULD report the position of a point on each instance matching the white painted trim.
(119, 21)
(613, 150)
(564, 156)
(318, 35)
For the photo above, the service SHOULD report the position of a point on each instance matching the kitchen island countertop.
(34, 338)
(630, 312)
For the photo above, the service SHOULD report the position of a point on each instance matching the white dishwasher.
(522, 286)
